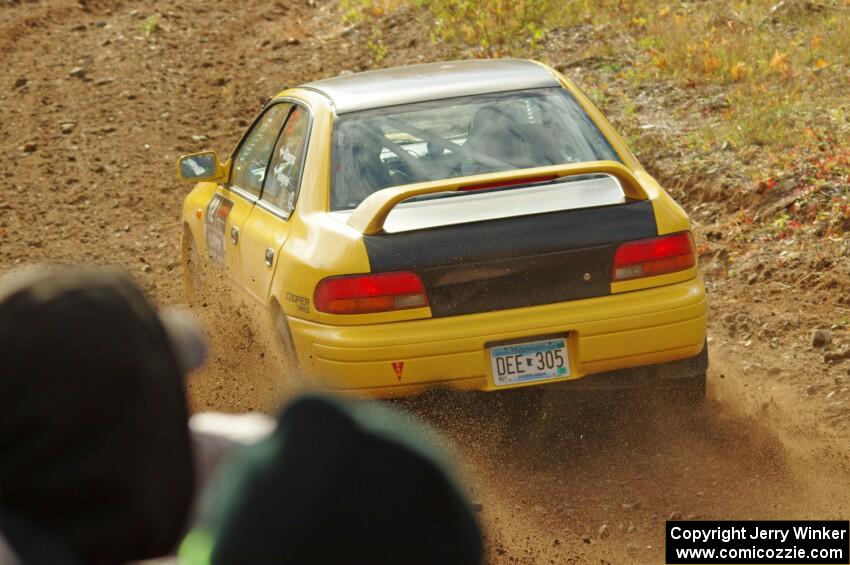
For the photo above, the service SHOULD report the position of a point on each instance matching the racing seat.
(538, 146)
(504, 132)
(364, 171)
(493, 132)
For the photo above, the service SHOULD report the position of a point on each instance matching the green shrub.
(496, 27)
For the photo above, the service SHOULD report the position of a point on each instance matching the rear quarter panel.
(319, 246)
(671, 218)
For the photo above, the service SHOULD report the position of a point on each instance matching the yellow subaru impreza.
(475, 224)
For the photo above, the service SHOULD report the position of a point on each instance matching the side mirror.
(199, 167)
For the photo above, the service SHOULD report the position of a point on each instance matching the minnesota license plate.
(529, 361)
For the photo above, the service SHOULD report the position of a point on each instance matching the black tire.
(521, 410)
(194, 285)
(286, 345)
(688, 393)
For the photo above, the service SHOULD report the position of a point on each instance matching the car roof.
(430, 81)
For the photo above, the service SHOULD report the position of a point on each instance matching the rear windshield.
(442, 139)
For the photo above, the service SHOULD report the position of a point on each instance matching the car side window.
(282, 184)
(252, 158)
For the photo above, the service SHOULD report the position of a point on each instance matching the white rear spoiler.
(369, 217)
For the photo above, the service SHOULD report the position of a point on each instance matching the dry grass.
(782, 66)
(743, 91)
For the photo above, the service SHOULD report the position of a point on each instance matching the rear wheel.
(687, 393)
(522, 411)
(286, 345)
(193, 271)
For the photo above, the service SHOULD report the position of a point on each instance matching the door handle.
(234, 235)
(269, 256)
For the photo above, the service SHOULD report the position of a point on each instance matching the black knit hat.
(94, 442)
(337, 482)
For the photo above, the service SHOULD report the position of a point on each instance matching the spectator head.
(336, 483)
(94, 443)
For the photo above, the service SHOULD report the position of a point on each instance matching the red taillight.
(362, 294)
(655, 256)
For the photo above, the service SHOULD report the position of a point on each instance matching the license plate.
(529, 361)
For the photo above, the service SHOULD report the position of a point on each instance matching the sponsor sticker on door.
(215, 221)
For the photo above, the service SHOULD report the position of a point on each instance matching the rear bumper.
(610, 333)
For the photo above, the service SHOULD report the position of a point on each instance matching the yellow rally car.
(475, 224)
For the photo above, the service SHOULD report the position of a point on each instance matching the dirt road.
(100, 97)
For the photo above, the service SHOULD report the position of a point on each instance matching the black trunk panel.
(523, 281)
(515, 262)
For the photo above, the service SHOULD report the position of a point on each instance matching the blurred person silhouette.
(336, 482)
(95, 458)
(7, 556)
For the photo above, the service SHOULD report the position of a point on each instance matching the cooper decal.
(301, 302)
